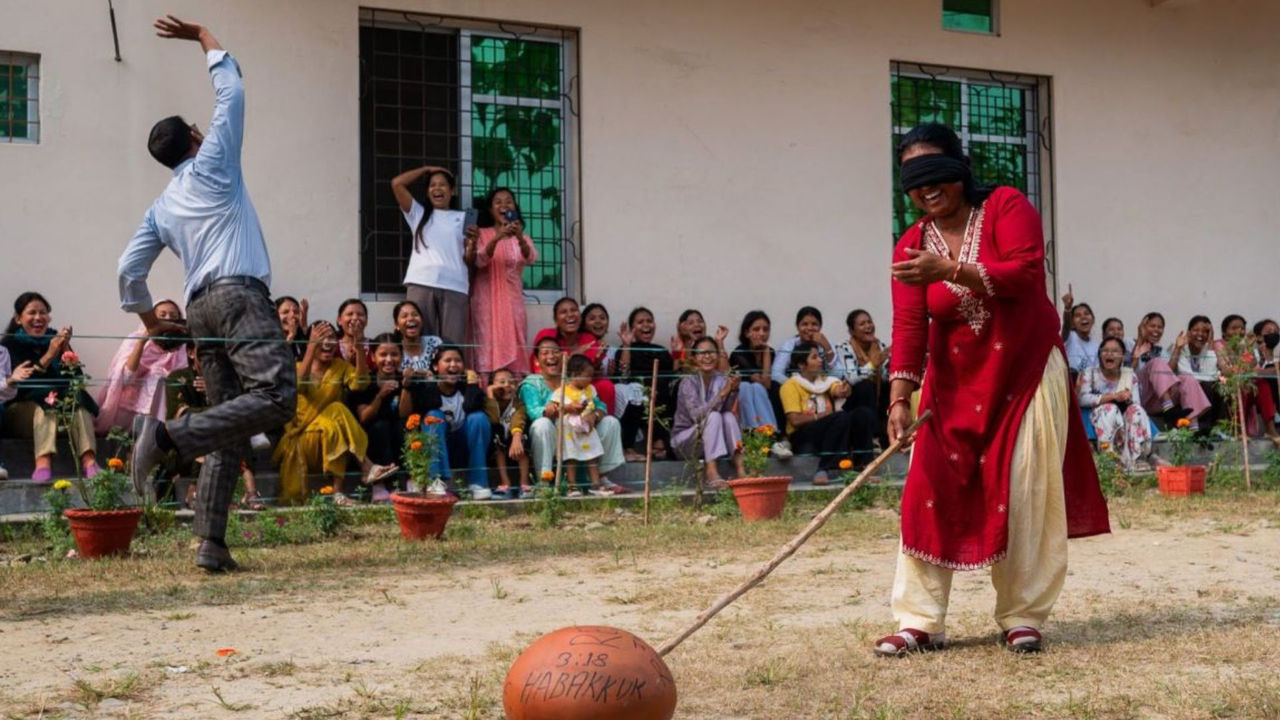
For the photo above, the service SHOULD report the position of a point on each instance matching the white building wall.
(734, 153)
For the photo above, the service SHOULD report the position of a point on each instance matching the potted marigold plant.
(759, 498)
(1180, 479)
(105, 525)
(425, 511)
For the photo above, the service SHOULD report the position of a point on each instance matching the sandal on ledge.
(378, 473)
(1023, 639)
(909, 640)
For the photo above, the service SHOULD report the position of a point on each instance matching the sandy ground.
(382, 637)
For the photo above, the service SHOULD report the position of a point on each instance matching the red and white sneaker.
(1023, 639)
(909, 640)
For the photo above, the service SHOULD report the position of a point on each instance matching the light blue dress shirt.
(204, 215)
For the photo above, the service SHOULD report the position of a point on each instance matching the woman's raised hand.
(1181, 342)
(722, 333)
(626, 335)
(677, 345)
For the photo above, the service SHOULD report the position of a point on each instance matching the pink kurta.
(987, 353)
(497, 305)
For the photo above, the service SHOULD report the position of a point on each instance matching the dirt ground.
(1169, 617)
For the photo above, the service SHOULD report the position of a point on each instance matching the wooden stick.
(790, 548)
(648, 453)
(1244, 439)
(564, 370)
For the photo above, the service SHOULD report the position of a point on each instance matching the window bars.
(1003, 119)
(19, 97)
(494, 102)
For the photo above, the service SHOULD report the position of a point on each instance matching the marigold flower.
(326, 490)
(416, 445)
(1183, 423)
(115, 464)
(846, 464)
(226, 652)
(548, 475)
(62, 485)
(767, 429)
(764, 451)
(1104, 446)
(70, 358)
(413, 422)
(433, 420)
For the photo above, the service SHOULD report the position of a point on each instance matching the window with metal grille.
(975, 16)
(496, 103)
(1003, 120)
(19, 97)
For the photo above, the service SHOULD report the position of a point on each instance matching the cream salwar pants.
(1027, 581)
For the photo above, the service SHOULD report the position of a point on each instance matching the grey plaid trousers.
(251, 382)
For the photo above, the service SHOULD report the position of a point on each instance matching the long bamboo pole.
(790, 548)
(564, 370)
(648, 453)
(1244, 439)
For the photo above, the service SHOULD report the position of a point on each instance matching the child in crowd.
(353, 318)
(808, 330)
(581, 443)
(1237, 355)
(758, 400)
(293, 320)
(416, 349)
(1110, 391)
(1193, 357)
(704, 423)
(377, 407)
(633, 365)
(457, 399)
(184, 393)
(509, 441)
(1077, 335)
(9, 377)
(139, 367)
(30, 413)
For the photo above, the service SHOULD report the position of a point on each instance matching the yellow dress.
(323, 433)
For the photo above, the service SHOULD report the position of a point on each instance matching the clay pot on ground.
(589, 673)
(422, 516)
(101, 533)
(760, 498)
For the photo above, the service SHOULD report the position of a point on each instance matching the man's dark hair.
(170, 141)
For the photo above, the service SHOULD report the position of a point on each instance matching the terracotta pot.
(589, 673)
(1181, 481)
(99, 533)
(760, 498)
(422, 516)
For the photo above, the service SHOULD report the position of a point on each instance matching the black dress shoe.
(214, 558)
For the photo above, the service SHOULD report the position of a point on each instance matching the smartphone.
(469, 218)
(511, 215)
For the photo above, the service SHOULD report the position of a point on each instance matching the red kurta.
(986, 356)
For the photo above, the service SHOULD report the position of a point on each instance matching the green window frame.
(973, 16)
(1003, 119)
(19, 97)
(494, 102)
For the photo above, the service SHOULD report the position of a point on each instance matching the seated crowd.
(455, 349)
(498, 426)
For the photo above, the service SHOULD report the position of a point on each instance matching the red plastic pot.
(99, 533)
(760, 498)
(422, 516)
(1181, 480)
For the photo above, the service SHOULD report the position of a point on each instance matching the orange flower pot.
(422, 516)
(1181, 481)
(760, 498)
(100, 533)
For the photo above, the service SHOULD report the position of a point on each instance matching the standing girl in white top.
(436, 280)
